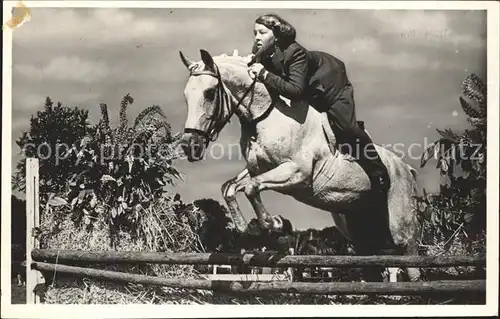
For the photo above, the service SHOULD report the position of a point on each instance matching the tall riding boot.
(370, 160)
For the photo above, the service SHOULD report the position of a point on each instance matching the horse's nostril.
(185, 148)
(193, 146)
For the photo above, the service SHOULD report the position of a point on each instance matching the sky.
(406, 67)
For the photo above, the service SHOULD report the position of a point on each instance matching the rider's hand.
(256, 69)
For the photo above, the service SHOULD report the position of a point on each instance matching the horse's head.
(214, 92)
(208, 105)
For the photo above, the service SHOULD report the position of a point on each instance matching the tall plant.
(121, 169)
(461, 158)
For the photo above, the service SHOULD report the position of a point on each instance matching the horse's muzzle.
(193, 146)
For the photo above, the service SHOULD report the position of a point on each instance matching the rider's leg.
(370, 160)
(343, 116)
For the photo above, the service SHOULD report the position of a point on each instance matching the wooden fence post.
(291, 269)
(33, 277)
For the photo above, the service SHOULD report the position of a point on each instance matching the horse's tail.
(413, 171)
(414, 180)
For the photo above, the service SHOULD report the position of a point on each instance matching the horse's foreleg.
(229, 195)
(238, 178)
(280, 178)
(341, 224)
(265, 219)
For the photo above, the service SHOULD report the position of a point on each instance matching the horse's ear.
(207, 59)
(187, 61)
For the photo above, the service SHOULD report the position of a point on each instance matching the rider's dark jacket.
(316, 77)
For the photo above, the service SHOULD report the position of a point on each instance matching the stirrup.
(380, 184)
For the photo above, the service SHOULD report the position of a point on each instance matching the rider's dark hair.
(283, 30)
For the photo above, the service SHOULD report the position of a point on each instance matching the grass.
(18, 293)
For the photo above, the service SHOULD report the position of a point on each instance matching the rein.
(222, 96)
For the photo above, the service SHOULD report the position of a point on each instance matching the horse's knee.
(228, 192)
(224, 187)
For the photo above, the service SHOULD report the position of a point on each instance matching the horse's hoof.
(277, 224)
(265, 225)
(254, 228)
(250, 188)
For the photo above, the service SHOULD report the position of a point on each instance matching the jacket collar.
(278, 56)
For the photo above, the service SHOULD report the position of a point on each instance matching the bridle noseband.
(222, 99)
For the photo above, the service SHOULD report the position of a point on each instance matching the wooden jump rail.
(253, 259)
(330, 288)
(67, 262)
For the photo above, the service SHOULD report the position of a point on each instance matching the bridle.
(222, 99)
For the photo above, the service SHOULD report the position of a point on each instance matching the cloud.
(405, 60)
(18, 125)
(75, 69)
(364, 45)
(26, 100)
(83, 97)
(62, 68)
(392, 113)
(355, 52)
(432, 28)
(102, 26)
(408, 20)
(398, 39)
(151, 67)
(29, 71)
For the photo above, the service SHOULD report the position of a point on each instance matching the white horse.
(291, 150)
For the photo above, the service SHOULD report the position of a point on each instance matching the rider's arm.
(294, 87)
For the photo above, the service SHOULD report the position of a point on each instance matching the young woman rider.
(290, 70)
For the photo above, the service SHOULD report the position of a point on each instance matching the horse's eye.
(210, 94)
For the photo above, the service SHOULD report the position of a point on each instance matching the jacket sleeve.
(294, 87)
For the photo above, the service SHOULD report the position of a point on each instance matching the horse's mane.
(235, 58)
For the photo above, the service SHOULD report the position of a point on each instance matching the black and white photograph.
(171, 155)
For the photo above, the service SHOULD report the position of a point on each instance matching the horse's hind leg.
(341, 224)
(370, 236)
(413, 274)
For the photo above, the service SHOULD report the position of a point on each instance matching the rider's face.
(262, 35)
